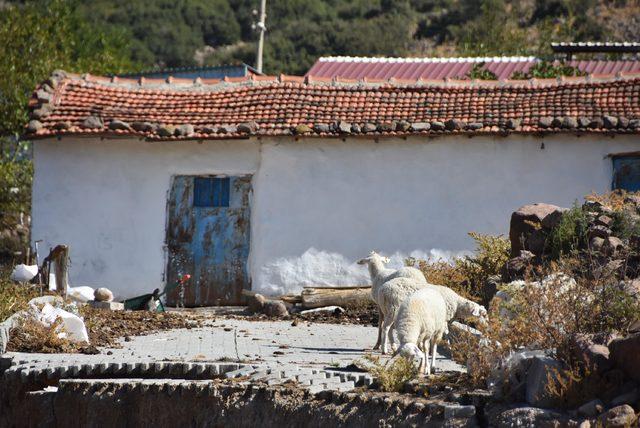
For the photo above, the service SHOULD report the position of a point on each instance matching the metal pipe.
(262, 28)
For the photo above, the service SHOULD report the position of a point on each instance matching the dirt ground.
(104, 329)
(361, 315)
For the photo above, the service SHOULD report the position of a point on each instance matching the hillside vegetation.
(195, 32)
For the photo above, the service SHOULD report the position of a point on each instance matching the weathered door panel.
(211, 241)
(626, 173)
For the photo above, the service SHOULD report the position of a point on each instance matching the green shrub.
(467, 275)
(569, 235)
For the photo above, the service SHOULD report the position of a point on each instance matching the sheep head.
(411, 352)
(470, 309)
(373, 257)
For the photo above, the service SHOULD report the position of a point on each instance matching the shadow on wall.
(321, 268)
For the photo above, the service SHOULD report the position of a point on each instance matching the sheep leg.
(392, 337)
(427, 368)
(434, 345)
(386, 330)
(380, 321)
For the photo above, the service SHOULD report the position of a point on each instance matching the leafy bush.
(569, 235)
(479, 72)
(549, 314)
(467, 275)
(547, 70)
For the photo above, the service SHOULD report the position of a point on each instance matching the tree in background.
(39, 36)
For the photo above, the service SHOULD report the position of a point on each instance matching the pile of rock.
(528, 377)
(258, 304)
(532, 224)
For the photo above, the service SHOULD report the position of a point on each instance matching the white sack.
(80, 294)
(24, 273)
(73, 327)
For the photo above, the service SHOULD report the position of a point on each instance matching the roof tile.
(265, 105)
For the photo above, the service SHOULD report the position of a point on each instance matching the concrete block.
(244, 371)
(455, 411)
(314, 389)
(344, 386)
(111, 306)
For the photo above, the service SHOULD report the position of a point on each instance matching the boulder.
(344, 127)
(302, 129)
(596, 244)
(275, 308)
(516, 267)
(184, 130)
(490, 287)
(624, 355)
(630, 398)
(528, 417)
(541, 374)
(119, 125)
(529, 219)
(591, 409)
(508, 379)
(613, 245)
(103, 295)
(591, 354)
(256, 303)
(369, 127)
(250, 127)
(321, 128)
(599, 232)
(620, 416)
(92, 122)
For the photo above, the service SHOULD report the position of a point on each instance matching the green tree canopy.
(39, 36)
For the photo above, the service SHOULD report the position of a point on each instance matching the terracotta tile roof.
(442, 68)
(290, 105)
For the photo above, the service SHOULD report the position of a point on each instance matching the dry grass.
(392, 376)
(549, 316)
(468, 275)
(14, 297)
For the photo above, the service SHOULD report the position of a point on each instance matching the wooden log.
(317, 297)
(61, 263)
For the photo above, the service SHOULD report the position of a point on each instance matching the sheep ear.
(476, 311)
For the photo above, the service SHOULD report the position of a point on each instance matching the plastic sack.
(80, 294)
(24, 273)
(72, 327)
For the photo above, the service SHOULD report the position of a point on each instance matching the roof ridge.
(184, 84)
(428, 59)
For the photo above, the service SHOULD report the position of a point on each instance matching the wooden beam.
(317, 297)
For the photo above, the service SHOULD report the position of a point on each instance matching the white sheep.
(390, 296)
(460, 308)
(421, 322)
(393, 293)
(381, 274)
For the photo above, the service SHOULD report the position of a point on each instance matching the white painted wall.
(318, 205)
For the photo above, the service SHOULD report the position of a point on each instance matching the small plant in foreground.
(391, 376)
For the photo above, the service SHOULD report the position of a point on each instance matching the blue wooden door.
(626, 173)
(208, 238)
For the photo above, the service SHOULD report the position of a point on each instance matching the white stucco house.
(275, 183)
